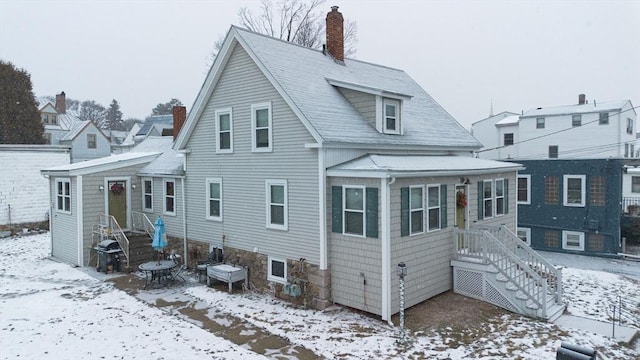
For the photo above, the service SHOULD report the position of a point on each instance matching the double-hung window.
(433, 207)
(224, 131)
(169, 207)
(508, 139)
(91, 141)
(416, 207)
(553, 151)
(277, 207)
(487, 199)
(354, 205)
(214, 199)
(63, 195)
(391, 118)
(53, 119)
(574, 190)
(576, 120)
(500, 200)
(147, 194)
(635, 184)
(45, 118)
(540, 123)
(604, 118)
(629, 126)
(524, 189)
(261, 127)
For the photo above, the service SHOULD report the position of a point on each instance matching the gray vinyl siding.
(364, 103)
(244, 173)
(63, 225)
(351, 256)
(173, 223)
(94, 203)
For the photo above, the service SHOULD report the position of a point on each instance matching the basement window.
(277, 271)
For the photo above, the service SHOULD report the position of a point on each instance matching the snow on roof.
(509, 120)
(68, 120)
(304, 78)
(577, 108)
(157, 122)
(418, 164)
(168, 163)
(75, 130)
(102, 164)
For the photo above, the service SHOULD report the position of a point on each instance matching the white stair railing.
(112, 230)
(142, 223)
(542, 266)
(484, 247)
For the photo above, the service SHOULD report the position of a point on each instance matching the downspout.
(185, 260)
(385, 187)
(80, 227)
(322, 198)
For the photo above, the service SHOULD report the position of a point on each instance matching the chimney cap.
(334, 8)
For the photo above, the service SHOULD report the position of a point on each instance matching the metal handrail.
(482, 245)
(111, 229)
(519, 248)
(140, 222)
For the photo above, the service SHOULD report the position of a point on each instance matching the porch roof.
(101, 164)
(387, 166)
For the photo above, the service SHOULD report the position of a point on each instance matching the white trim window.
(224, 131)
(524, 189)
(92, 139)
(433, 207)
(147, 194)
(487, 199)
(500, 203)
(261, 127)
(391, 116)
(524, 234)
(416, 209)
(63, 196)
(169, 195)
(277, 208)
(635, 184)
(277, 270)
(540, 123)
(214, 199)
(573, 240)
(353, 216)
(574, 190)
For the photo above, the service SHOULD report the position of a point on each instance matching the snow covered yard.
(50, 310)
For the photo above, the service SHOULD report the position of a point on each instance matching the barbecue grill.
(108, 256)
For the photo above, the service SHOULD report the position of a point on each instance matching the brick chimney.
(61, 103)
(335, 34)
(581, 99)
(179, 116)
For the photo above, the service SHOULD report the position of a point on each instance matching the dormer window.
(391, 111)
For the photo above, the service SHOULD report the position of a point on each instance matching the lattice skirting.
(474, 284)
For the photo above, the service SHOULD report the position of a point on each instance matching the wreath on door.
(116, 189)
(461, 200)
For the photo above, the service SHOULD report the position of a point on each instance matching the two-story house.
(62, 127)
(318, 173)
(576, 159)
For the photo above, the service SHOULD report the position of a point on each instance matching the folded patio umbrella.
(159, 236)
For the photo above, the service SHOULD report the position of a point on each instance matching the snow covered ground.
(49, 310)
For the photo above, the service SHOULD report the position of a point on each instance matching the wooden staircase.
(494, 265)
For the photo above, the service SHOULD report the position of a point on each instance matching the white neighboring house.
(579, 131)
(86, 142)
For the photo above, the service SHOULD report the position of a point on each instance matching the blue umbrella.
(159, 238)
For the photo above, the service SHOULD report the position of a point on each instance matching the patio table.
(156, 270)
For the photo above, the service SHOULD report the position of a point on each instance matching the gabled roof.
(158, 122)
(509, 120)
(578, 108)
(386, 166)
(307, 80)
(77, 129)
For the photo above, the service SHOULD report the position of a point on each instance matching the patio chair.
(177, 270)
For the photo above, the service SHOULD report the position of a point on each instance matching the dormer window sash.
(391, 116)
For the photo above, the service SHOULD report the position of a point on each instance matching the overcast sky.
(466, 54)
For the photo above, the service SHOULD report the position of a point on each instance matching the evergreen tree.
(113, 119)
(166, 108)
(19, 117)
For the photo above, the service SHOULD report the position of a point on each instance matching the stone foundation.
(307, 285)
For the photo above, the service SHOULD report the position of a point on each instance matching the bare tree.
(297, 21)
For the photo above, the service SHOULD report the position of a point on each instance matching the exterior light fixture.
(100, 187)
